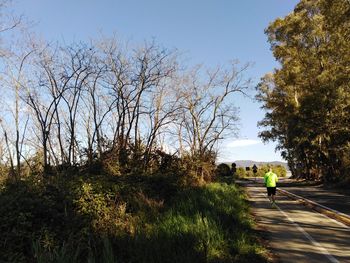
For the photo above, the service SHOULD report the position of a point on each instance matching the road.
(297, 233)
(333, 200)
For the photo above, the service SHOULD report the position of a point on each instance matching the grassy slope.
(130, 219)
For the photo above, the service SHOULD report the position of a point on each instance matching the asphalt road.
(331, 199)
(297, 233)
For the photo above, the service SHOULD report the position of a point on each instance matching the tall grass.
(133, 220)
(207, 224)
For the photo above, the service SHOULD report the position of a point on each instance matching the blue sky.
(211, 32)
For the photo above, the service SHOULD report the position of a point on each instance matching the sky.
(210, 32)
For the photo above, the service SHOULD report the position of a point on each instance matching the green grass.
(207, 224)
(125, 219)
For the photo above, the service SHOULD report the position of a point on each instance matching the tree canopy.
(307, 99)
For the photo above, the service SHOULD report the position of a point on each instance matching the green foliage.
(95, 218)
(204, 224)
(307, 98)
(29, 212)
(4, 171)
(277, 169)
(223, 170)
(197, 169)
(240, 172)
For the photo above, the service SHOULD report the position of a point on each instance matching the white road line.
(313, 241)
(314, 203)
(324, 207)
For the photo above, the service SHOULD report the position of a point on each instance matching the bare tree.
(44, 96)
(8, 24)
(208, 111)
(163, 111)
(154, 66)
(11, 78)
(99, 102)
(127, 102)
(76, 75)
(18, 83)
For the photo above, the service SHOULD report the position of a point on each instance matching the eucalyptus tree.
(308, 100)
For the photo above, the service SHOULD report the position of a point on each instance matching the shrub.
(240, 172)
(223, 170)
(143, 218)
(278, 169)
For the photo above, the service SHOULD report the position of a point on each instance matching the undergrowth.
(95, 218)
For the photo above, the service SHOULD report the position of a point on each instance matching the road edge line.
(324, 251)
(329, 212)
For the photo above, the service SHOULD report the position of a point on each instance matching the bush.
(223, 170)
(28, 213)
(240, 172)
(144, 218)
(277, 169)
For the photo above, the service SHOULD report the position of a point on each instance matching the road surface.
(297, 233)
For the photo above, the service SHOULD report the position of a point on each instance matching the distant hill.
(250, 163)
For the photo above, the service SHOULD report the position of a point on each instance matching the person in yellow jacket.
(270, 180)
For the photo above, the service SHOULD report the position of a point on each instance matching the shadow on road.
(295, 232)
